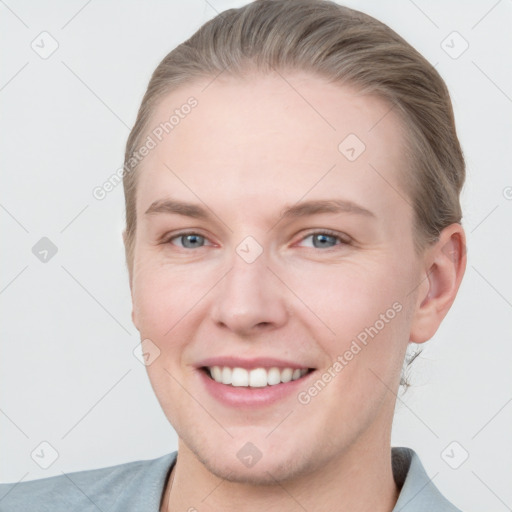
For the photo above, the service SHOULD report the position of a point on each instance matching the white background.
(68, 374)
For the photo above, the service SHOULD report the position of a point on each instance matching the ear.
(443, 269)
(125, 252)
(129, 278)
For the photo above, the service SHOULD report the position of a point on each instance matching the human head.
(189, 310)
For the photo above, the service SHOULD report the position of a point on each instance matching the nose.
(250, 298)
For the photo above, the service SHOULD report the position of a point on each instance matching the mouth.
(261, 377)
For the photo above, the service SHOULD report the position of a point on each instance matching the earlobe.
(445, 263)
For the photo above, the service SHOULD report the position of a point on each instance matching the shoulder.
(418, 492)
(119, 487)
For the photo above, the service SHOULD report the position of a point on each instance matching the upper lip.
(249, 364)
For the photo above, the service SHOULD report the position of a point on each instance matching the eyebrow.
(319, 206)
(303, 209)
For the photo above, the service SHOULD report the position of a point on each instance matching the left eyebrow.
(316, 207)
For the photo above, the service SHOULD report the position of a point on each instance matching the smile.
(254, 378)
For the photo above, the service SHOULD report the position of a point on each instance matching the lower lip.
(234, 396)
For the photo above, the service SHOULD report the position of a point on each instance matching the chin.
(268, 470)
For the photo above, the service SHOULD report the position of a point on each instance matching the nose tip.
(249, 298)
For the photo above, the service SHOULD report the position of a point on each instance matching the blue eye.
(324, 239)
(190, 240)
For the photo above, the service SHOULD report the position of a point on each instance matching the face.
(274, 242)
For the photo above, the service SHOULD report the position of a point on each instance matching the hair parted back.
(341, 45)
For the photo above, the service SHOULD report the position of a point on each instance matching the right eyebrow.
(178, 207)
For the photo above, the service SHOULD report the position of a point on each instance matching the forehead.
(293, 134)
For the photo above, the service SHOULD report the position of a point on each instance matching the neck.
(356, 481)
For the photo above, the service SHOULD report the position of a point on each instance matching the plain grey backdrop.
(73, 393)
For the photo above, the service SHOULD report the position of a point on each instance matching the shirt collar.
(417, 490)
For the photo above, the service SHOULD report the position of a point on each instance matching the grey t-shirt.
(138, 487)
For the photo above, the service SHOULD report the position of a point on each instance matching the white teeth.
(217, 373)
(226, 375)
(256, 378)
(286, 375)
(239, 377)
(273, 376)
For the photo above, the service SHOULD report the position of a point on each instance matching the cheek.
(349, 296)
(368, 310)
(362, 322)
(162, 296)
(163, 302)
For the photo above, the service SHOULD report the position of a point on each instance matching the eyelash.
(343, 240)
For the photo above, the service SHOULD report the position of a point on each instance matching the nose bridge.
(250, 295)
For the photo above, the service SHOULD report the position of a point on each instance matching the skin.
(249, 149)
